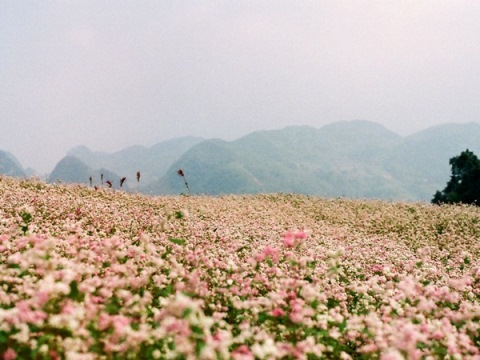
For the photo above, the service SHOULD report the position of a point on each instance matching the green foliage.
(27, 219)
(75, 294)
(464, 184)
(177, 241)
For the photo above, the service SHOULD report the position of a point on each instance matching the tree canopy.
(464, 183)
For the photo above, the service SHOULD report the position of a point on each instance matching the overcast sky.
(109, 74)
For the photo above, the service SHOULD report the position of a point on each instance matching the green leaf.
(3, 337)
(75, 294)
(114, 306)
(242, 248)
(263, 316)
(332, 303)
(196, 329)
(186, 312)
(177, 241)
(199, 346)
(166, 291)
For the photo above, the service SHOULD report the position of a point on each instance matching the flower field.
(104, 274)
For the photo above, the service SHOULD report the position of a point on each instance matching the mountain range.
(153, 162)
(9, 165)
(358, 159)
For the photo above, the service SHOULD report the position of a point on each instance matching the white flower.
(265, 350)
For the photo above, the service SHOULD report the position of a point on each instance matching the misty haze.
(112, 76)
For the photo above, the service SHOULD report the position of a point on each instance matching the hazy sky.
(109, 74)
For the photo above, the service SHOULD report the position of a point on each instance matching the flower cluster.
(88, 274)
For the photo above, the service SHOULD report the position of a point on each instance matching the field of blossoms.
(104, 274)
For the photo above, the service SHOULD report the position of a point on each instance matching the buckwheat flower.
(265, 350)
(242, 353)
(76, 355)
(296, 317)
(301, 235)
(289, 240)
(55, 320)
(43, 349)
(120, 323)
(368, 348)
(391, 354)
(345, 356)
(184, 213)
(259, 257)
(309, 293)
(10, 354)
(270, 251)
(23, 335)
(277, 312)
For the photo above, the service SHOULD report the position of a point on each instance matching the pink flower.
(242, 353)
(377, 268)
(177, 326)
(259, 257)
(277, 312)
(392, 354)
(301, 235)
(42, 297)
(103, 321)
(368, 348)
(119, 323)
(296, 317)
(68, 308)
(270, 251)
(289, 240)
(10, 354)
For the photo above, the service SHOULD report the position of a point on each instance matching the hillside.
(103, 274)
(422, 159)
(10, 166)
(354, 159)
(71, 170)
(357, 159)
(153, 162)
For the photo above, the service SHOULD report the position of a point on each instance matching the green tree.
(464, 183)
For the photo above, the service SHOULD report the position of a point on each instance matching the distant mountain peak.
(9, 165)
(79, 149)
(358, 124)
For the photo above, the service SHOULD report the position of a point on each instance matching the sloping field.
(87, 274)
